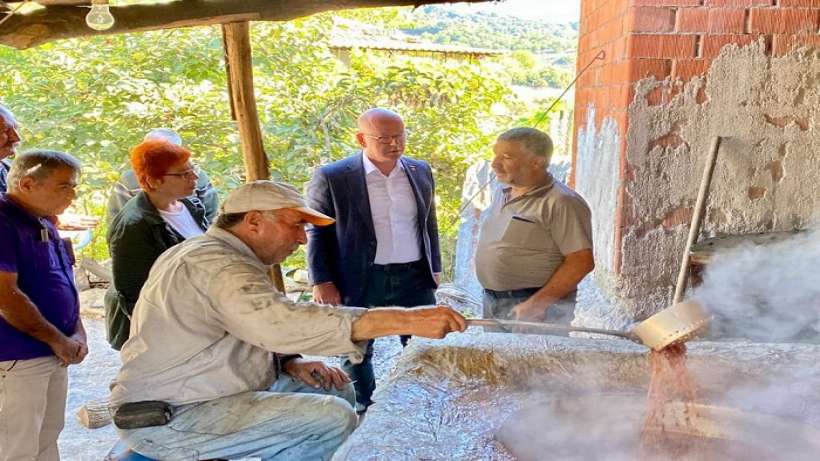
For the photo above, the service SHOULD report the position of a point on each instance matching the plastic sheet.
(450, 399)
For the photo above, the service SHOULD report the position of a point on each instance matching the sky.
(549, 10)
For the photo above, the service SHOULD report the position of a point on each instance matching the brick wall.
(671, 38)
(677, 38)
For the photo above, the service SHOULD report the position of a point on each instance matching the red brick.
(784, 20)
(604, 14)
(593, 21)
(611, 30)
(677, 217)
(619, 8)
(643, 68)
(593, 39)
(712, 44)
(727, 20)
(619, 49)
(784, 44)
(619, 73)
(664, 2)
(692, 20)
(661, 46)
(583, 43)
(701, 97)
(620, 96)
(685, 69)
(587, 79)
(814, 3)
(646, 19)
(607, 12)
(739, 2)
(756, 193)
(581, 98)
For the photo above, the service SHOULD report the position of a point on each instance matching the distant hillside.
(490, 30)
(542, 53)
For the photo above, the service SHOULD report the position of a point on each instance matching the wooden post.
(697, 218)
(240, 84)
(239, 66)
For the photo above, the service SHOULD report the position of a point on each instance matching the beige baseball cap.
(264, 195)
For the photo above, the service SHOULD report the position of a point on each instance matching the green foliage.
(490, 30)
(527, 69)
(96, 98)
(542, 53)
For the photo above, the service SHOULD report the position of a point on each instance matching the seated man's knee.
(338, 415)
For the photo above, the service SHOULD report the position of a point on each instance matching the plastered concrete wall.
(767, 176)
(599, 151)
(598, 181)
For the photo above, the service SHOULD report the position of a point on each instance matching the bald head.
(9, 137)
(381, 135)
(376, 116)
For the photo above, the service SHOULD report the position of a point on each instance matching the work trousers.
(289, 422)
(32, 408)
(405, 285)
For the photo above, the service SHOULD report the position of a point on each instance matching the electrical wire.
(601, 55)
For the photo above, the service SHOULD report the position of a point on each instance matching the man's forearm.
(429, 322)
(566, 278)
(378, 322)
(18, 310)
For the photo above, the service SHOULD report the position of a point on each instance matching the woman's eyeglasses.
(192, 172)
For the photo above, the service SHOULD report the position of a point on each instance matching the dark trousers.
(499, 305)
(406, 285)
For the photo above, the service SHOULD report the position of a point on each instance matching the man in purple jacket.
(40, 328)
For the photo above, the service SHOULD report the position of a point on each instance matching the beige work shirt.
(207, 320)
(524, 239)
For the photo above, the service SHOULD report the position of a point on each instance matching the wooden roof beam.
(56, 22)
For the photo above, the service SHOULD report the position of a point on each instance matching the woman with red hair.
(160, 216)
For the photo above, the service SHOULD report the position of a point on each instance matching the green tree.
(97, 97)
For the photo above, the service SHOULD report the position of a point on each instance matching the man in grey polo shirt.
(535, 244)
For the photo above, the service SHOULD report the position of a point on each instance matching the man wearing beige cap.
(213, 339)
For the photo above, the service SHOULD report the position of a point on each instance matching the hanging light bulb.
(99, 18)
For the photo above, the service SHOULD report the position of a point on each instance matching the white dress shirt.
(395, 214)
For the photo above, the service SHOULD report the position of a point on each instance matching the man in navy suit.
(383, 249)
